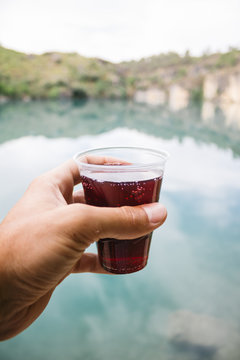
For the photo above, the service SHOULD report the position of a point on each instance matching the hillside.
(54, 75)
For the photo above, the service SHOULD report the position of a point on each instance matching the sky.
(118, 30)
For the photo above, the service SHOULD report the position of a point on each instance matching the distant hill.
(154, 79)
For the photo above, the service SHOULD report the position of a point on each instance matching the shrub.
(79, 93)
(102, 87)
(14, 90)
(54, 92)
(196, 94)
(228, 59)
(180, 73)
(131, 81)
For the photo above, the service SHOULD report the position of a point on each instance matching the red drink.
(123, 256)
(118, 176)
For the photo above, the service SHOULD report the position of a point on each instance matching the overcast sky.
(119, 29)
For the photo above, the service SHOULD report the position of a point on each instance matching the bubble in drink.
(122, 256)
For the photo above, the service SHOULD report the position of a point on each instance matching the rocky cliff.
(164, 79)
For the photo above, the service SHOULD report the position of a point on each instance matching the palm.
(50, 262)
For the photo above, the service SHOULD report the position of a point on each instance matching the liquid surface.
(122, 177)
(122, 256)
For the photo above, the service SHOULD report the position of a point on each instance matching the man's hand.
(43, 239)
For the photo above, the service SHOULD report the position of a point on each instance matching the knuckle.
(85, 226)
(128, 215)
(132, 216)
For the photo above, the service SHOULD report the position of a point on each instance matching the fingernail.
(156, 212)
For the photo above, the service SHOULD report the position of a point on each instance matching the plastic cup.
(120, 176)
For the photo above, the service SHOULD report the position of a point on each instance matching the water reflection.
(205, 123)
(232, 114)
(202, 336)
(208, 111)
(185, 304)
(192, 166)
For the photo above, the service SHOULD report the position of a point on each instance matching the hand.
(43, 239)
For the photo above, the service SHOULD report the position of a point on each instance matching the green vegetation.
(231, 58)
(181, 72)
(55, 75)
(196, 94)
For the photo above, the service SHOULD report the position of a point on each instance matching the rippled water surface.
(185, 304)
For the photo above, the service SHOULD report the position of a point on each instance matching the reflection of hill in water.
(73, 119)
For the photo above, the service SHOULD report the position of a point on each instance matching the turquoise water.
(185, 304)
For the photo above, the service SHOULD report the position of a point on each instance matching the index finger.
(68, 174)
(101, 160)
(65, 176)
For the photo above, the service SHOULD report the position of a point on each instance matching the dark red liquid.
(122, 256)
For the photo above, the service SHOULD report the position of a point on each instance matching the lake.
(185, 304)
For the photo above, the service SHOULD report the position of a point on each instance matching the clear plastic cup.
(119, 176)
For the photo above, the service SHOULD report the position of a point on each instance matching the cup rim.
(162, 154)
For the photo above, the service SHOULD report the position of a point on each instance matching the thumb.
(90, 223)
